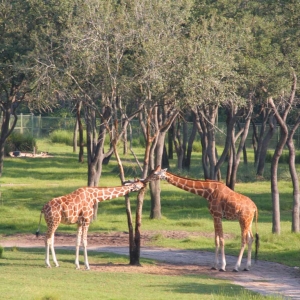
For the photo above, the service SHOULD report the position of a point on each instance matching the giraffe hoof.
(246, 270)
(213, 268)
(222, 270)
(235, 270)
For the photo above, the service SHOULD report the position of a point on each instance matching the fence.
(39, 126)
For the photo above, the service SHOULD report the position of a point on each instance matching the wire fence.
(40, 126)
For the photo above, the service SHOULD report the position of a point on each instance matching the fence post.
(21, 129)
(39, 125)
(32, 124)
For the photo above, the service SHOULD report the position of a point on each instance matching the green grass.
(26, 279)
(27, 184)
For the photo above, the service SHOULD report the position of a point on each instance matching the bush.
(197, 147)
(20, 142)
(62, 137)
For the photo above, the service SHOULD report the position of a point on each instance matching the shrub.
(20, 142)
(197, 147)
(62, 137)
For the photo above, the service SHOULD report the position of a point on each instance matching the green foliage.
(62, 137)
(1, 251)
(20, 142)
(197, 147)
(138, 142)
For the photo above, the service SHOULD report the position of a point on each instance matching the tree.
(94, 71)
(158, 71)
(214, 81)
(281, 112)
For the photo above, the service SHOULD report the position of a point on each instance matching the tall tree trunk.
(295, 180)
(80, 131)
(258, 140)
(75, 142)
(281, 119)
(187, 163)
(274, 168)
(6, 130)
(236, 154)
(178, 143)
(155, 185)
(170, 141)
(264, 146)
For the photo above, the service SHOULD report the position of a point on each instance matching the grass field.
(28, 183)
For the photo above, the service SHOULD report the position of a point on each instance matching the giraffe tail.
(95, 208)
(38, 230)
(257, 242)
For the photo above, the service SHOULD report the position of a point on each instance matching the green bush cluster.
(62, 137)
(20, 142)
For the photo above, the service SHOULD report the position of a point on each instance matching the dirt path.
(265, 277)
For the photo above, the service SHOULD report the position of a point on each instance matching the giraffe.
(78, 208)
(223, 203)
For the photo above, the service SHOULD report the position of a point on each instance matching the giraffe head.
(136, 184)
(156, 174)
(159, 173)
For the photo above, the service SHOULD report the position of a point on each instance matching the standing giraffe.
(223, 203)
(78, 208)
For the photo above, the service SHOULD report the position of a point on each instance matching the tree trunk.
(187, 162)
(80, 131)
(170, 141)
(178, 143)
(155, 185)
(95, 147)
(264, 146)
(236, 155)
(135, 259)
(75, 136)
(274, 168)
(258, 140)
(281, 119)
(165, 159)
(275, 198)
(295, 180)
(6, 130)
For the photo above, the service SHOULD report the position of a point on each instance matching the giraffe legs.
(84, 241)
(220, 245)
(78, 242)
(246, 237)
(82, 233)
(49, 244)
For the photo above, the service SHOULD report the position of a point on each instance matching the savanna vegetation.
(29, 183)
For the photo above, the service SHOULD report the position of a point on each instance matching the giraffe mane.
(202, 180)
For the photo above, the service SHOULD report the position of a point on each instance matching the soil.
(266, 278)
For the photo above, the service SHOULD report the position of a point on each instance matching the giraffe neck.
(200, 187)
(101, 194)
